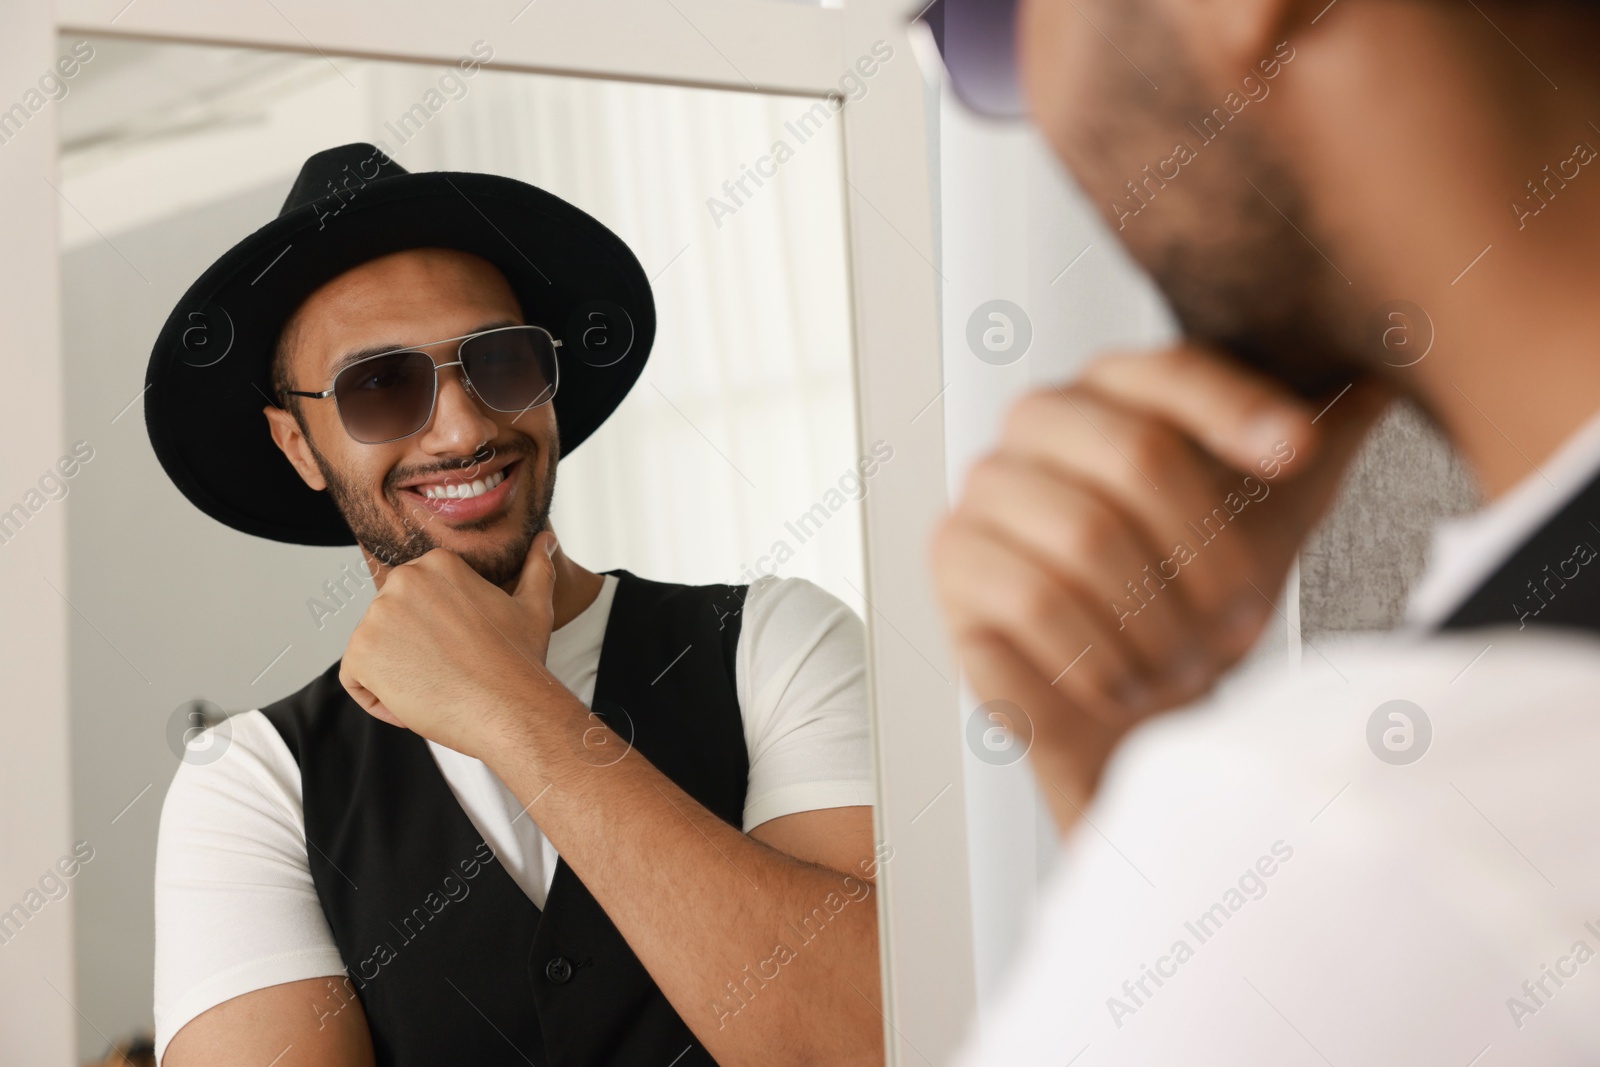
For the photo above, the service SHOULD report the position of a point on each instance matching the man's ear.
(288, 436)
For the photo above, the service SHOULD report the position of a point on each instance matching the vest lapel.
(1553, 579)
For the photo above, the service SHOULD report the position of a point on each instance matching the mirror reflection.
(391, 745)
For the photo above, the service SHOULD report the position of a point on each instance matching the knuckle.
(1035, 409)
(982, 478)
(1090, 531)
(1033, 604)
(1153, 448)
(1110, 365)
(1169, 358)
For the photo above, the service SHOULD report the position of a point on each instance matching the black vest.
(452, 961)
(1552, 579)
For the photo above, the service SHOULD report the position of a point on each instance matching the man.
(437, 852)
(1387, 856)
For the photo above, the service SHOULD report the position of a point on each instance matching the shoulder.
(234, 807)
(1391, 721)
(238, 768)
(802, 651)
(794, 607)
(1276, 832)
(792, 630)
(1461, 697)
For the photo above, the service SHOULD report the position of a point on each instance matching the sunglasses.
(389, 396)
(977, 41)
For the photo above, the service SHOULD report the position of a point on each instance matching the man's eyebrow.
(359, 354)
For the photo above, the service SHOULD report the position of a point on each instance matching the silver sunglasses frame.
(433, 400)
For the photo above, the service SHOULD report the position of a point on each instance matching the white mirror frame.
(746, 45)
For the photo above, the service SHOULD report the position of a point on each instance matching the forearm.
(755, 949)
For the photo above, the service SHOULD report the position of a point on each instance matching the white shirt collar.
(1465, 551)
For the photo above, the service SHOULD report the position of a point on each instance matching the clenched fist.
(452, 657)
(1119, 549)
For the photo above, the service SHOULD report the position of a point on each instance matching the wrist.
(532, 731)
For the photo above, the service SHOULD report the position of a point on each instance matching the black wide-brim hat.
(210, 373)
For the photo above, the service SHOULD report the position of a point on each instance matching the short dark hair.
(279, 368)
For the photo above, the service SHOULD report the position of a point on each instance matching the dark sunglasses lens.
(512, 369)
(977, 40)
(385, 397)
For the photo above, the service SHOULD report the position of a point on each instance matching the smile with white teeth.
(464, 490)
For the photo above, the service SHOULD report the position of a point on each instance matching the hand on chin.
(444, 653)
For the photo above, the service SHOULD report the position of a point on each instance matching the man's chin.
(503, 570)
(1312, 375)
(496, 554)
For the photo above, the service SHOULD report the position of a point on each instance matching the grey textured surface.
(1358, 568)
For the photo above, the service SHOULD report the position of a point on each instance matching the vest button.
(559, 970)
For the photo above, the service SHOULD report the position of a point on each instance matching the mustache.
(521, 447)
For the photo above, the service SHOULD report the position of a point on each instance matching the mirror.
(734, 457)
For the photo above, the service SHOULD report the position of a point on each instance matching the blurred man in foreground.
(1385, 856)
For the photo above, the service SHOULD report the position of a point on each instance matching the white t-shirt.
(236, 909)
(1356, 910)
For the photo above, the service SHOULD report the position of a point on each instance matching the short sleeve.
(803, 691)
(236, 909)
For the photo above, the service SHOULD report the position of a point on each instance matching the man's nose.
(460, 423)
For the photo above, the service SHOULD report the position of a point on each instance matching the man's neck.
(576, 588)
(1515, 372)
(1449, 175)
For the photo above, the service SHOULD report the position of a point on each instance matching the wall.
(1014, 228)
(174, 605)
(36, 1010)
(1361, 563)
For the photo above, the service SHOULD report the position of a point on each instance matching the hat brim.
(209, 374)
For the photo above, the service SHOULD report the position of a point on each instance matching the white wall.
(36, 1013)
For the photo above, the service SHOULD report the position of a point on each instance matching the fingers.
(364, 697)
(1236, 414)
(1170, 489)
(378, 711)
(538, 579)
(1092, 545)
(1112, 661)
(987, 587)
(1344, 425)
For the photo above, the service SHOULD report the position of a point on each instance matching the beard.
(1228, 240)
(375, 528)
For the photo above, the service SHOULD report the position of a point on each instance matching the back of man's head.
(1286, 171)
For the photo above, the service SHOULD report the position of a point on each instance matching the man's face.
(1216, 225)
(392, 495)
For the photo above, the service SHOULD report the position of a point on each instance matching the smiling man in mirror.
(535, 814)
